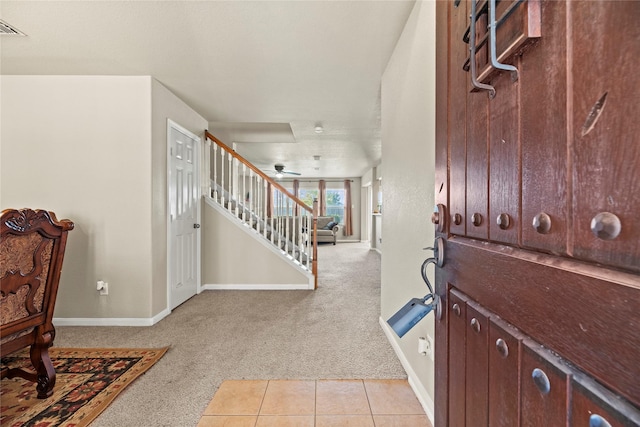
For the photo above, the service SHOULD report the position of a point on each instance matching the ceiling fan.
(280, 171)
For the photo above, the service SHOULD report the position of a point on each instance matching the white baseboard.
(258, 287)
(415, 383)
(377, 250)
(111, 321)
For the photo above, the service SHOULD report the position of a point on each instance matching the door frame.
(171, 241)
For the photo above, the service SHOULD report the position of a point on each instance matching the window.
(335, 204)
(308, 195)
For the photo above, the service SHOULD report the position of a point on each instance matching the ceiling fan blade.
(291, 173)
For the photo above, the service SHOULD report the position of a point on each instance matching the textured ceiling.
(265, 73)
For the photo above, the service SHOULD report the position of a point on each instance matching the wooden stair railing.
(261, 203)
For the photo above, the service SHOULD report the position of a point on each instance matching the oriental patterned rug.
(87, 381)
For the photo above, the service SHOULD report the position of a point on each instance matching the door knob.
(457, 219)
(196, 225)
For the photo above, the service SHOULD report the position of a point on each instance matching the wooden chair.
(32, 244)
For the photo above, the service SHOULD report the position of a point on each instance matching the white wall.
(80, 146)
(408, 147)
(234, 258)
(93, 149)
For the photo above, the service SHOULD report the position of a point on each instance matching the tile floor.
(322, 403)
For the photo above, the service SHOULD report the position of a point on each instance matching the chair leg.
(46, 374)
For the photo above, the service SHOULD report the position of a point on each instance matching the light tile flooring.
(322, 403)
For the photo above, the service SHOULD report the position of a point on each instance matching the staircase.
(257, 201)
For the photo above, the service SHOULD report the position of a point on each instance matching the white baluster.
(289, 240)
(244, 194)
(264, 203)
(215, 171)
(309, 237)
(271, 214)
(222, 152)
(230, 182)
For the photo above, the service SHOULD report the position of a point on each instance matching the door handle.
(196, 225)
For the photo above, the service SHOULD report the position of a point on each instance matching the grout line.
(262, 402)
(368, 401)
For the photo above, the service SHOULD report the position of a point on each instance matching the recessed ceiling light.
(317, 169)
(316, 157)
(318, 129)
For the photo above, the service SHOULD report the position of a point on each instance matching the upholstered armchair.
(32, 245)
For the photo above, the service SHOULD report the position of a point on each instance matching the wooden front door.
(538, 193)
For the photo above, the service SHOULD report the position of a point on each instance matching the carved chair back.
(32, 245)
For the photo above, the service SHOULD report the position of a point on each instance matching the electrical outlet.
(102, 287)
(430, 347)
(425, 346)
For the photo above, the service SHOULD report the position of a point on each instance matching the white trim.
(257, 287)
(112, 321)
(348, 241)
(377, 250)
(415, 383)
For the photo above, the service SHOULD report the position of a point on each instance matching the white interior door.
(184, 214)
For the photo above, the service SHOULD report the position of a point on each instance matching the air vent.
(8, 30)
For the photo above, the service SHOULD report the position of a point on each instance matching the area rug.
(87, 381)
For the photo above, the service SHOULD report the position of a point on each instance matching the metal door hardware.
(417, 308)
(541, 380)
(476, 219)
(596, 420)
(492, 43)
(475, 325)
(438, 253)
(456, 309)
(439, 217)
(196, 225)
(503, 221)
(502, 347)
(472, 56)
(542, 223)
(606, 226)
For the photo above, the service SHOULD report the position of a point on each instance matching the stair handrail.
(312, 210)
(250, 165)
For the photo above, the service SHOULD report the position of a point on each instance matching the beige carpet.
(329, 333)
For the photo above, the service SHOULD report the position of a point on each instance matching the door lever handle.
(438, 252)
